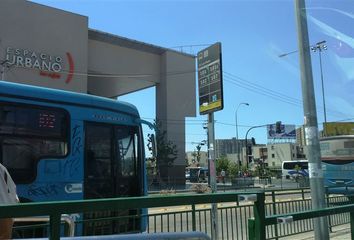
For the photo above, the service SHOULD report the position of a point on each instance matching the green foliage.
(297, 168)
(222, 163)
(233, 169)
(262, 171)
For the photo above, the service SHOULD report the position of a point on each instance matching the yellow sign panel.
(339, 128)
(213, 105)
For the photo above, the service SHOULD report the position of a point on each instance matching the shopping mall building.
(44, 46)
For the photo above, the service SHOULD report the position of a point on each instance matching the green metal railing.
(55, 209)
(259, 225)
(193, 212)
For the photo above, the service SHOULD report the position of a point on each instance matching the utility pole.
(212, 174)
(310, 122)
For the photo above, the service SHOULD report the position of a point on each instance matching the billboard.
(339, 128)
(210, 79)
(287, 131)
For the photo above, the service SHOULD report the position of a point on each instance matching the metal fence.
(233, 218)
(192, 212)
(261, 225)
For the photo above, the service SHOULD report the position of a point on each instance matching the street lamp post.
(237, 143)
(321, 46)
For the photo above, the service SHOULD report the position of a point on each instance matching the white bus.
(295, 168)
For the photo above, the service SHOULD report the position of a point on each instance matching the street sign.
(210, 79)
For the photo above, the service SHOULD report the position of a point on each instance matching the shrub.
(200, 188)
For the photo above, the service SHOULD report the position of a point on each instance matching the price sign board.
(210, 79)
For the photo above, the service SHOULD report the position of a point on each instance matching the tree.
(222, 163)
(166, 152)
(194, 155)
(233, 169)
(199, 146)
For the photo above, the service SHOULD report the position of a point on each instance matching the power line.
(176, 120)
(192, 45)
(229, 77)
(270, 93)
(262, 88)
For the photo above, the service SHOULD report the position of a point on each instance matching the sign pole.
(212, 174)
(211, 100)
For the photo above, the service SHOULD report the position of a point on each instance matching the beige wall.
(30, 27)
(129, 69)
(175, 100)
(277, 153)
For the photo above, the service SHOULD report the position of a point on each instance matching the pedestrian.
(7, 196)
(223, 176)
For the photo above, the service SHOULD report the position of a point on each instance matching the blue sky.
(253, 34)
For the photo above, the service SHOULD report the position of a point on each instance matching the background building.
(300, 136)
(228, 147)
(260, 153)
(277, 153)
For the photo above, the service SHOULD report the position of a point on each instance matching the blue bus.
(60, 145)
(337, 154)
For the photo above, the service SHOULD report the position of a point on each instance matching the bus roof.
(295, 160)
(29, 92)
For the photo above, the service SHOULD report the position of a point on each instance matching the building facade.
(48, 47)
(277, 153)
(223, 147)
(300, 136)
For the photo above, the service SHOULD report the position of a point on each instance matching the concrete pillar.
(175, 100)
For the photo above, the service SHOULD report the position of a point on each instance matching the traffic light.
(249, 150)
(278, 127)
(253, 141)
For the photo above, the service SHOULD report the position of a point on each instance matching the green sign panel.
(210, 79)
